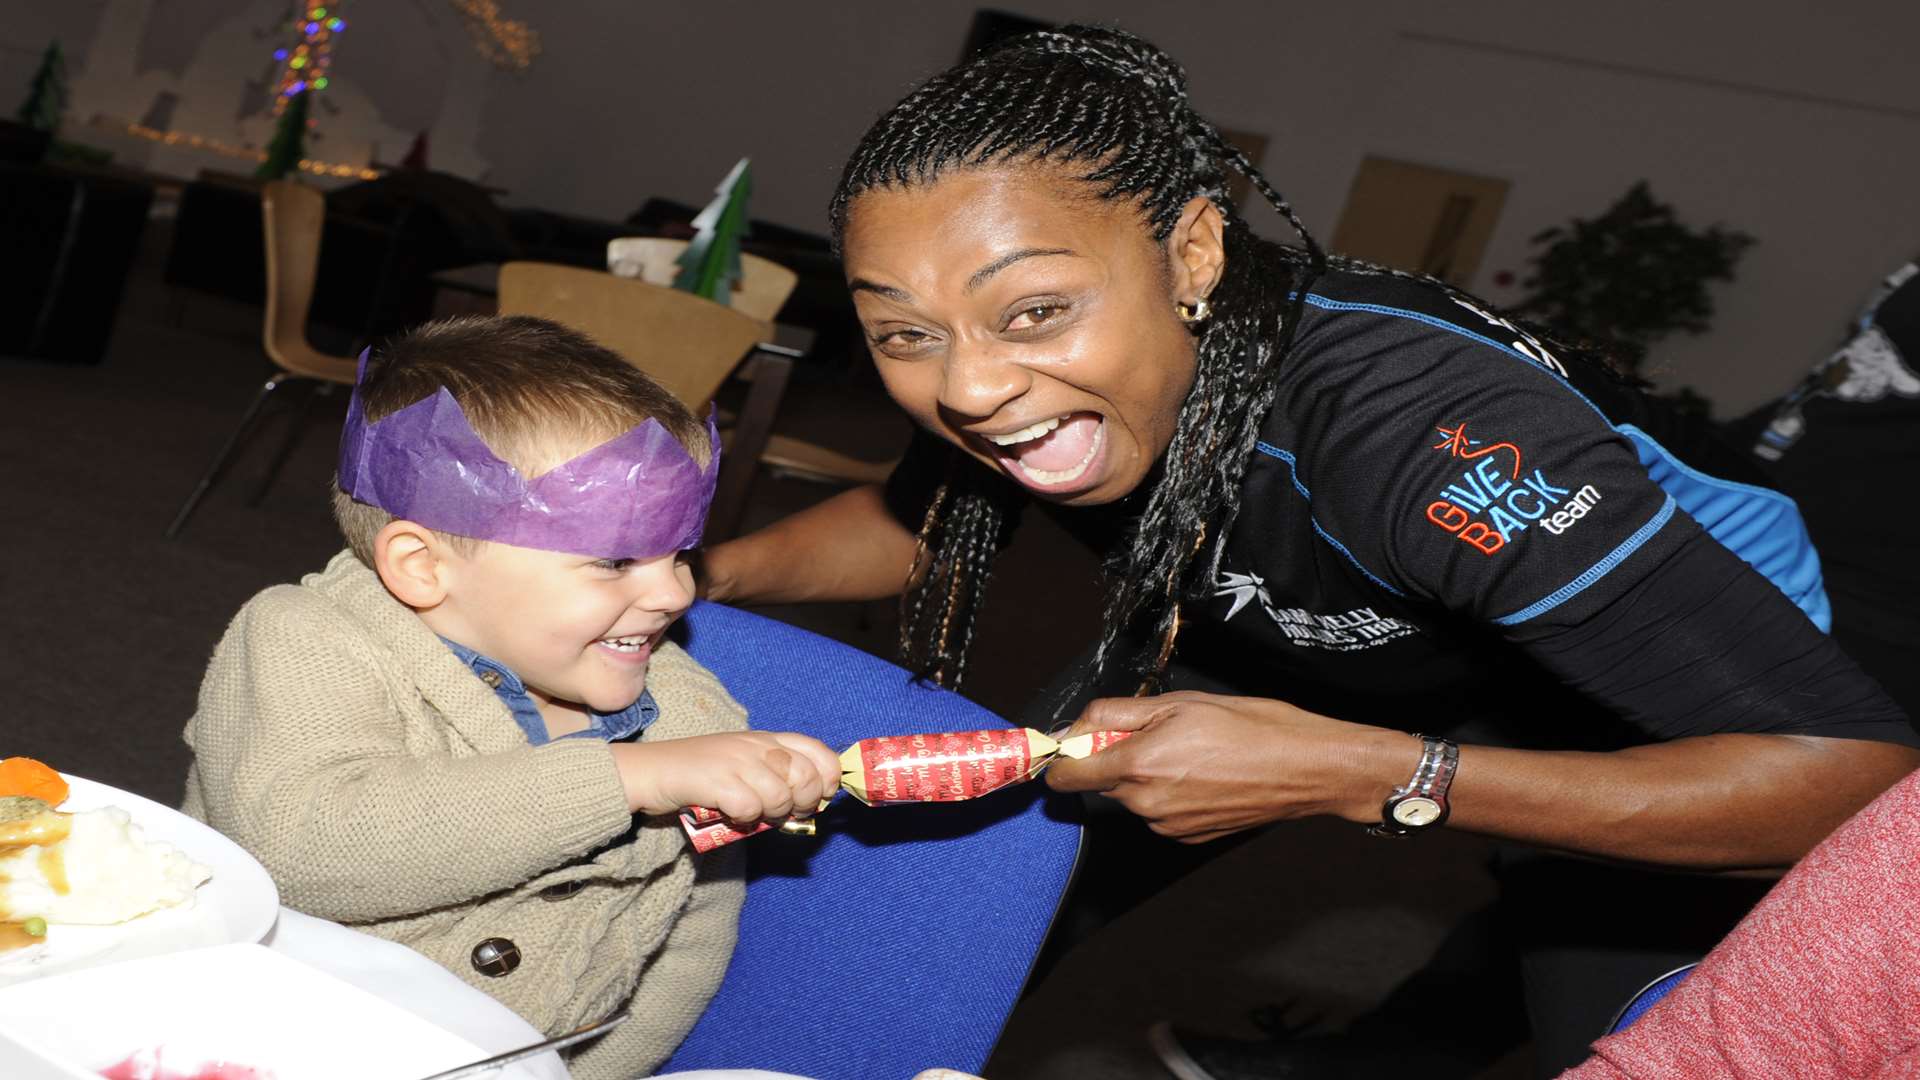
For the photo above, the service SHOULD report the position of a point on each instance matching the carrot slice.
(25, 776)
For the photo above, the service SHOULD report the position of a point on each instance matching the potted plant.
(1629, 277)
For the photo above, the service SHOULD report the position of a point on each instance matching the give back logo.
(1497, 498)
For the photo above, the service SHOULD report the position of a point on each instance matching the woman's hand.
(746, 775)
(1204, 765)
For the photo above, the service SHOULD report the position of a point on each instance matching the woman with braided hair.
(1339, 505)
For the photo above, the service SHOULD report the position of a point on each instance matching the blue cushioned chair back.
(900, 938)
(1648, 997)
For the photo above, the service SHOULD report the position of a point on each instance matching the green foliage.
(47, 95)
(289, 143)
(1631, 276)
(710, 266)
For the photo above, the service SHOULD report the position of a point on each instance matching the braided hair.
(1115, 107)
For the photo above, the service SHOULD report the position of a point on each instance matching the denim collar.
(626, 724)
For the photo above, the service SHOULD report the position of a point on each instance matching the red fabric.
(1821, 980)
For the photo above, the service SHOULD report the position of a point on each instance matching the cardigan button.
(495, 957)
(563, 890)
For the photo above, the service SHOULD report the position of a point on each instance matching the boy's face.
(575, 629)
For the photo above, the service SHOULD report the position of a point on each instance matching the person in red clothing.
(1822, 979)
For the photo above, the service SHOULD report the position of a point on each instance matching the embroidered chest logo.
(1361, 628)
(1496, 498)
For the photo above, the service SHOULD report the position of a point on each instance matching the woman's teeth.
(624, 644)
(1027, 434)
(1062, 476)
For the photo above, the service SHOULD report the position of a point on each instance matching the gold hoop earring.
(1195, 312)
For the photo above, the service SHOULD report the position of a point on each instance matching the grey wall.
(1800, 125)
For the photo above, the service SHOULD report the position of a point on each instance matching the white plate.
(238, 904)
(244, 1004)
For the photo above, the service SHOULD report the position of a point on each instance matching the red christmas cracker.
(892, 770)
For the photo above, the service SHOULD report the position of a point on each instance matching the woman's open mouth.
(1054, 456)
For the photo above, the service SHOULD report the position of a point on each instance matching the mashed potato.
(103, 871)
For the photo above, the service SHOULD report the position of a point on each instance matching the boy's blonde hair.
(537, 393)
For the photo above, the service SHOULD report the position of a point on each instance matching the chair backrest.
(688, 343)
(900, 938)
(764, 284)
(1648, 997)
(293, 216)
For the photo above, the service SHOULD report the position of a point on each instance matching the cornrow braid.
(1083, 94)
(952, 562)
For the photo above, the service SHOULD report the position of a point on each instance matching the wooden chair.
(293, 216)
(764, 287)
(690, 344)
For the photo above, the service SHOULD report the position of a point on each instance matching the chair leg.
(296, 425)
(225, 456)
(750, 438)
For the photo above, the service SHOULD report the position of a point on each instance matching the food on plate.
(25, 820)
(91, 867)
(19, 935)
(33, 779)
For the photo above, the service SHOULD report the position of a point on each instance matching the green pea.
(35, 927)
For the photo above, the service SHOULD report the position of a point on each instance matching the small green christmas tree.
(710, 266)
(47, 96)
(289, 143)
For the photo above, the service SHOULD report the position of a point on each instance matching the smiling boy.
(468, 734)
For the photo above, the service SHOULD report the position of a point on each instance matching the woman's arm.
(849, 547)
(1206, 766)
(1772, 737)
(1711, 802)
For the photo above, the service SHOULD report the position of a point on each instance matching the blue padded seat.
(1648, 997)
(900, 938)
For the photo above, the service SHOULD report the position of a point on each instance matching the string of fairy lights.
(306, 61)
(506, 43)
(225, 149)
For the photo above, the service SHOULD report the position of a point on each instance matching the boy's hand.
(746, 775)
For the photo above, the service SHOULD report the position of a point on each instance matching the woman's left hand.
(1204, 765)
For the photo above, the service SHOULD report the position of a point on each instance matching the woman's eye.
(615, 565)
(1030, 317)
(901, 340)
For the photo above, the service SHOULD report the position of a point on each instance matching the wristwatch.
(1421, 803)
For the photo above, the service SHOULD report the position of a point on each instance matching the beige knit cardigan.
(384, 786)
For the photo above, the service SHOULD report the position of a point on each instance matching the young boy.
(468, 734)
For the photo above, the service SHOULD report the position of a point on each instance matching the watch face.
(1416, 811)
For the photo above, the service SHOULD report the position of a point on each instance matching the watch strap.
(1432, 777)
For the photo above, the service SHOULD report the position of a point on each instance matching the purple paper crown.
(637, 496)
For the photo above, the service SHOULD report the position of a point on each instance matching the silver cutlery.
(558, 1042)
